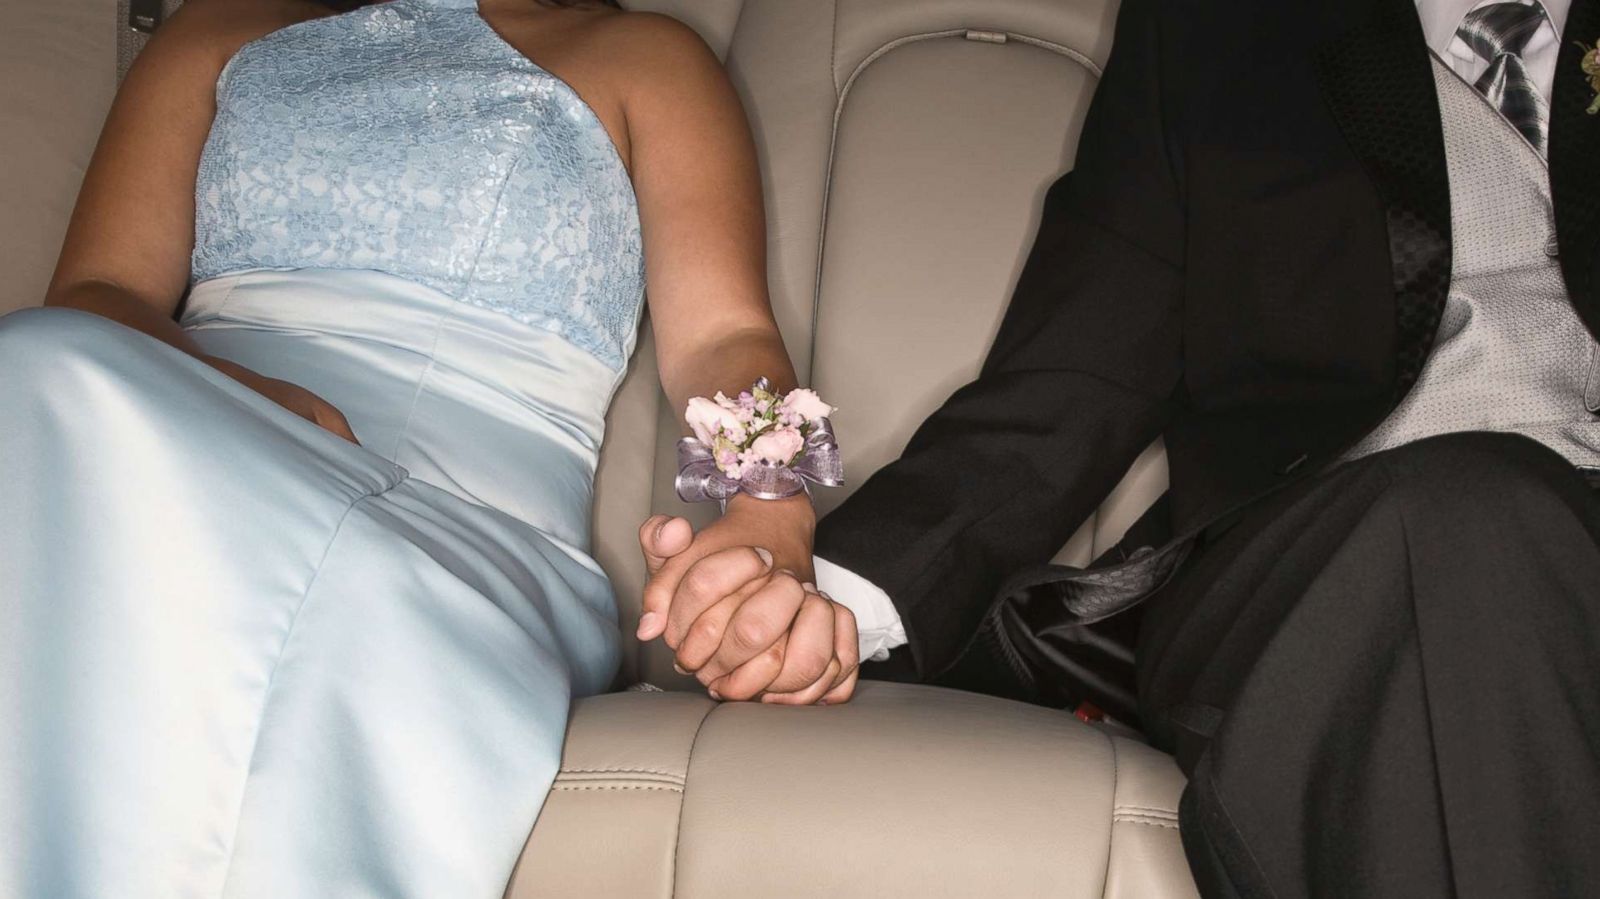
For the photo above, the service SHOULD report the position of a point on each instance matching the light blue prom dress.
(241, 657)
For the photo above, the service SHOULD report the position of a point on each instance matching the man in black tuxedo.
(1314, 246)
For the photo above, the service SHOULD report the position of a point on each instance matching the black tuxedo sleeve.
(1081, 377)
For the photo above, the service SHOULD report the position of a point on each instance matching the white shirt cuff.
(877, 621)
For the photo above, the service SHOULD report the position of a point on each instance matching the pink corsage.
(762, 443)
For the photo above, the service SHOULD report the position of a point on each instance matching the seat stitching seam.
(660, 787)
(677, 834)
(1111, 838)
(1077, 56)
(1162, 824)
(833, 56)
(842, 93)
(620, 778)
(1154, 810)
(672, 774)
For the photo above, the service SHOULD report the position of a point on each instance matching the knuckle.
(824, 682)
(752, 632)
(845, 617)
(801, 675)
(850, 656)
(707, 629)
(700, 581)
(809, 664)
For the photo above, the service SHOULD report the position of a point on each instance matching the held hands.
(736, 605)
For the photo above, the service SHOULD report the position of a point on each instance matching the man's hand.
(736, 605)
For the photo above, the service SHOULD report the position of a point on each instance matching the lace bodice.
(409, 138)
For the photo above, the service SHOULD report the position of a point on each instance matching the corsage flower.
(763, 443)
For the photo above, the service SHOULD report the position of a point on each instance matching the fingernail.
(766, 557)
(647, 623)
(678, 668)
(714, 695)
(822, 702)
(809, 587)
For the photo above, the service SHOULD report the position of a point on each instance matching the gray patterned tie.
(1498, 33)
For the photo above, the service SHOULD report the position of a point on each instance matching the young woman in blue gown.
(294, 581)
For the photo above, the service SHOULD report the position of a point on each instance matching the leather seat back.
(57, 75)
(906, 146)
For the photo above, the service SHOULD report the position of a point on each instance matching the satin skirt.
(242, 657)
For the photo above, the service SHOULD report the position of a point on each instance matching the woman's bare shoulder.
(649, 45)
(623, 43)
(655, 62)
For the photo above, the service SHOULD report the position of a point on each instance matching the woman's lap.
(238, 650)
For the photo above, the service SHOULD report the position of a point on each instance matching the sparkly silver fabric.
(1512, 354)
(410, 138)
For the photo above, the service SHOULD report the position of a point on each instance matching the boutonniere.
(1591, 68)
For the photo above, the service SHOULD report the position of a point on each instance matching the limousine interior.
(906, 146)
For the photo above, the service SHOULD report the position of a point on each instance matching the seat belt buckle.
(144, 16)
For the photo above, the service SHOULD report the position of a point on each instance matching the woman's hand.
(293, 397)
(737, 605)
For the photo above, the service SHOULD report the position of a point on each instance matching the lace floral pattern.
(411, 139)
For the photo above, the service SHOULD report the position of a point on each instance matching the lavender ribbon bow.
(699, 479)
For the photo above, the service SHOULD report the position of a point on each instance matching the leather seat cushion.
(906, 791)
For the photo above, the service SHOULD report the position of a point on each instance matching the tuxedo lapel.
(1575, 164)
(1378, 82)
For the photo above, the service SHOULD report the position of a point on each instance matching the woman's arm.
(694, 170)
(126, 254)
(699, 189)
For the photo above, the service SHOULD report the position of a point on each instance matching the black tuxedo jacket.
(1251, 258)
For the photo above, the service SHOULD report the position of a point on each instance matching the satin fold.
(242, 657)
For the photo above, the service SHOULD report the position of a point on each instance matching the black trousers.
(1385, 681)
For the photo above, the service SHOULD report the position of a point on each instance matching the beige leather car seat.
(905, 145)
